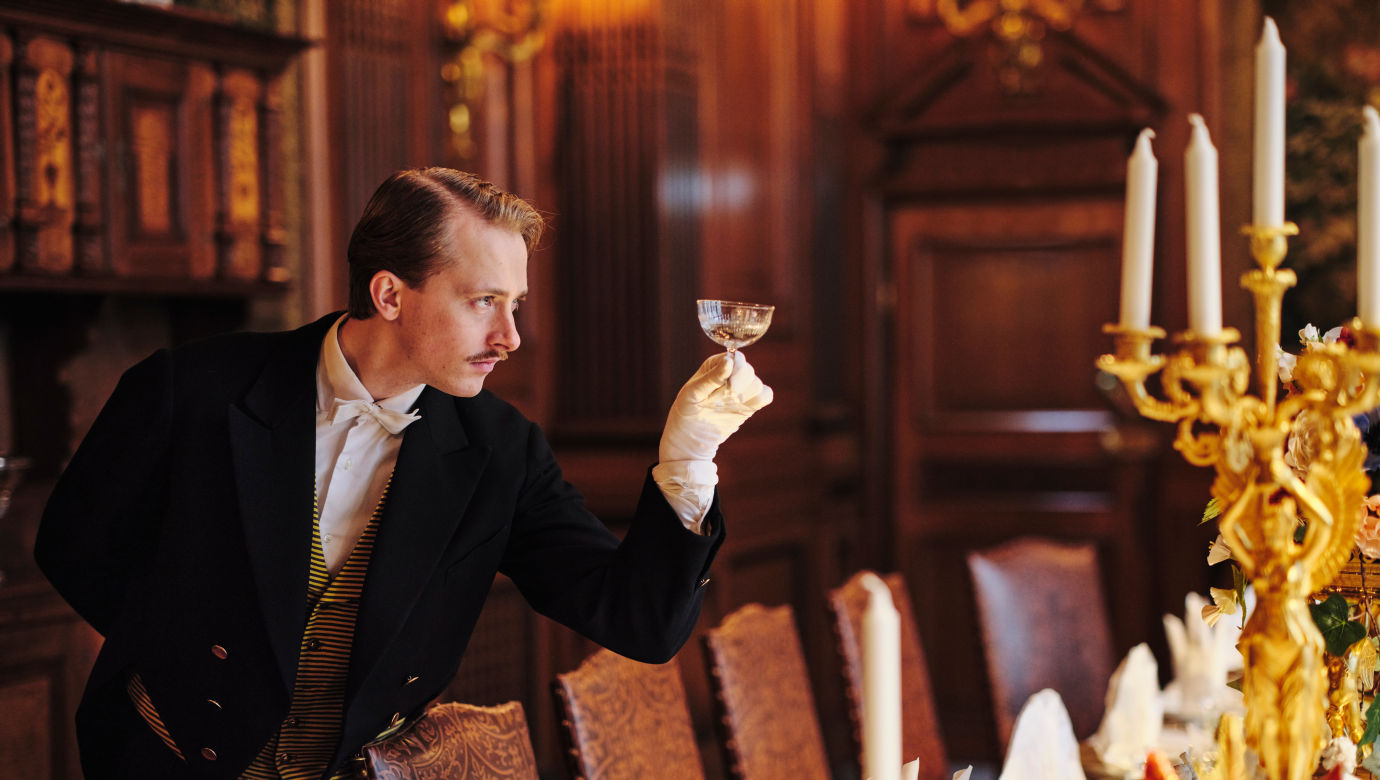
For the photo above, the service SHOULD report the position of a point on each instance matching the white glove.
(710, 407)
(723, 393)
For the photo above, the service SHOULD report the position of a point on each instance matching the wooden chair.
(1044, 624)
(920, 734)
(624, 720)
(762, 695)
(455, 741)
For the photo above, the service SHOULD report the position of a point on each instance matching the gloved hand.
(722, 394)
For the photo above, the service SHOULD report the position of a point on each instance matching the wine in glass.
(732, 323)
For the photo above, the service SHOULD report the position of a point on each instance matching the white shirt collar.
(335, 379)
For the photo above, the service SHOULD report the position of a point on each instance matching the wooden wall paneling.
(993, 443)
(7, 171)
(382, 57)
(45, 654)
(619, 249)
(44, 137)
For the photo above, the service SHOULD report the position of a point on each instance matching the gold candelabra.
(1290, 535)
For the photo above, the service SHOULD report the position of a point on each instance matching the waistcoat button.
(208, 754)
(219, 652)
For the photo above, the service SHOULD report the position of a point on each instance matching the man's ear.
(385, 289)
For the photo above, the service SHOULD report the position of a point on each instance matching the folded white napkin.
(1043, 746)
(1134, 716)
(1202, 656)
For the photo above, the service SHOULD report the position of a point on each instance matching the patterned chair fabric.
(455, 741)
(762, 692)
(625, 720)
(920, 734)
(1044, 624)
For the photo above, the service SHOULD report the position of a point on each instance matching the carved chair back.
(454, 741)
(1044, 624)
(624, 720)
(762, 693)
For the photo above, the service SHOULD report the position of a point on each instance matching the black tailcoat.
(181, 530)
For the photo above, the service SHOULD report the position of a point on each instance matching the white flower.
(1309, 334)
(1224, 603)
(1341, 751)
(1218, 551)
(1331, 336)
(1287, 361)
(1303, 443)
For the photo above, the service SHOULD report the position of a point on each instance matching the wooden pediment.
(962, 88)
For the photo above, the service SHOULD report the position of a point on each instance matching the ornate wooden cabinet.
(141, 203)
(141, 146)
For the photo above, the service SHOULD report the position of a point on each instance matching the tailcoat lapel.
(273, 441)
(433, 481)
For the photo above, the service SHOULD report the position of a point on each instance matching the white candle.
(1368, 222)
(1138, 237)
(1269, 128)
(881, 644)
(1204, 233)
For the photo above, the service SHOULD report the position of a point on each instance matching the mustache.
(490, 355)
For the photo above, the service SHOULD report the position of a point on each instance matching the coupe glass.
(732, 323)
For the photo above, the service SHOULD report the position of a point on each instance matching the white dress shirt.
(354, 457)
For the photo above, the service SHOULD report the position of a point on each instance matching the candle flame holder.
(1243, 437)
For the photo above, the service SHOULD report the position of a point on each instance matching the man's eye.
(486, 301)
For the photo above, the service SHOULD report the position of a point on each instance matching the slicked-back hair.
(406, 225)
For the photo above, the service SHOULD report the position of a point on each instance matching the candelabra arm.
(1133, 363)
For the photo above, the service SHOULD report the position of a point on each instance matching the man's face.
(459, 323)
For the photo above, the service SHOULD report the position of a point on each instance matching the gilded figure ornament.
(1289, 533)
(1344, 700)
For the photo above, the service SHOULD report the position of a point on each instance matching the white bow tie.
(392, 421)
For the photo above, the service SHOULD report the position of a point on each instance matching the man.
(259, 626)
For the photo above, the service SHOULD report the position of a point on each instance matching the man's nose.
(505, 335)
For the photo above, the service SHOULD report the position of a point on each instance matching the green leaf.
(1331, 619)
(1211, 511)
(1372, 725)
(1372, 763)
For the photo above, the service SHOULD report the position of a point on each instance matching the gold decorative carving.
(53, 141)
(512, 30)
(1018, 25)
(243, 152)
(46, 193)
(151, 142)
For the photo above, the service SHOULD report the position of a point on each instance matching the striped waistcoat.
(308, 736)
